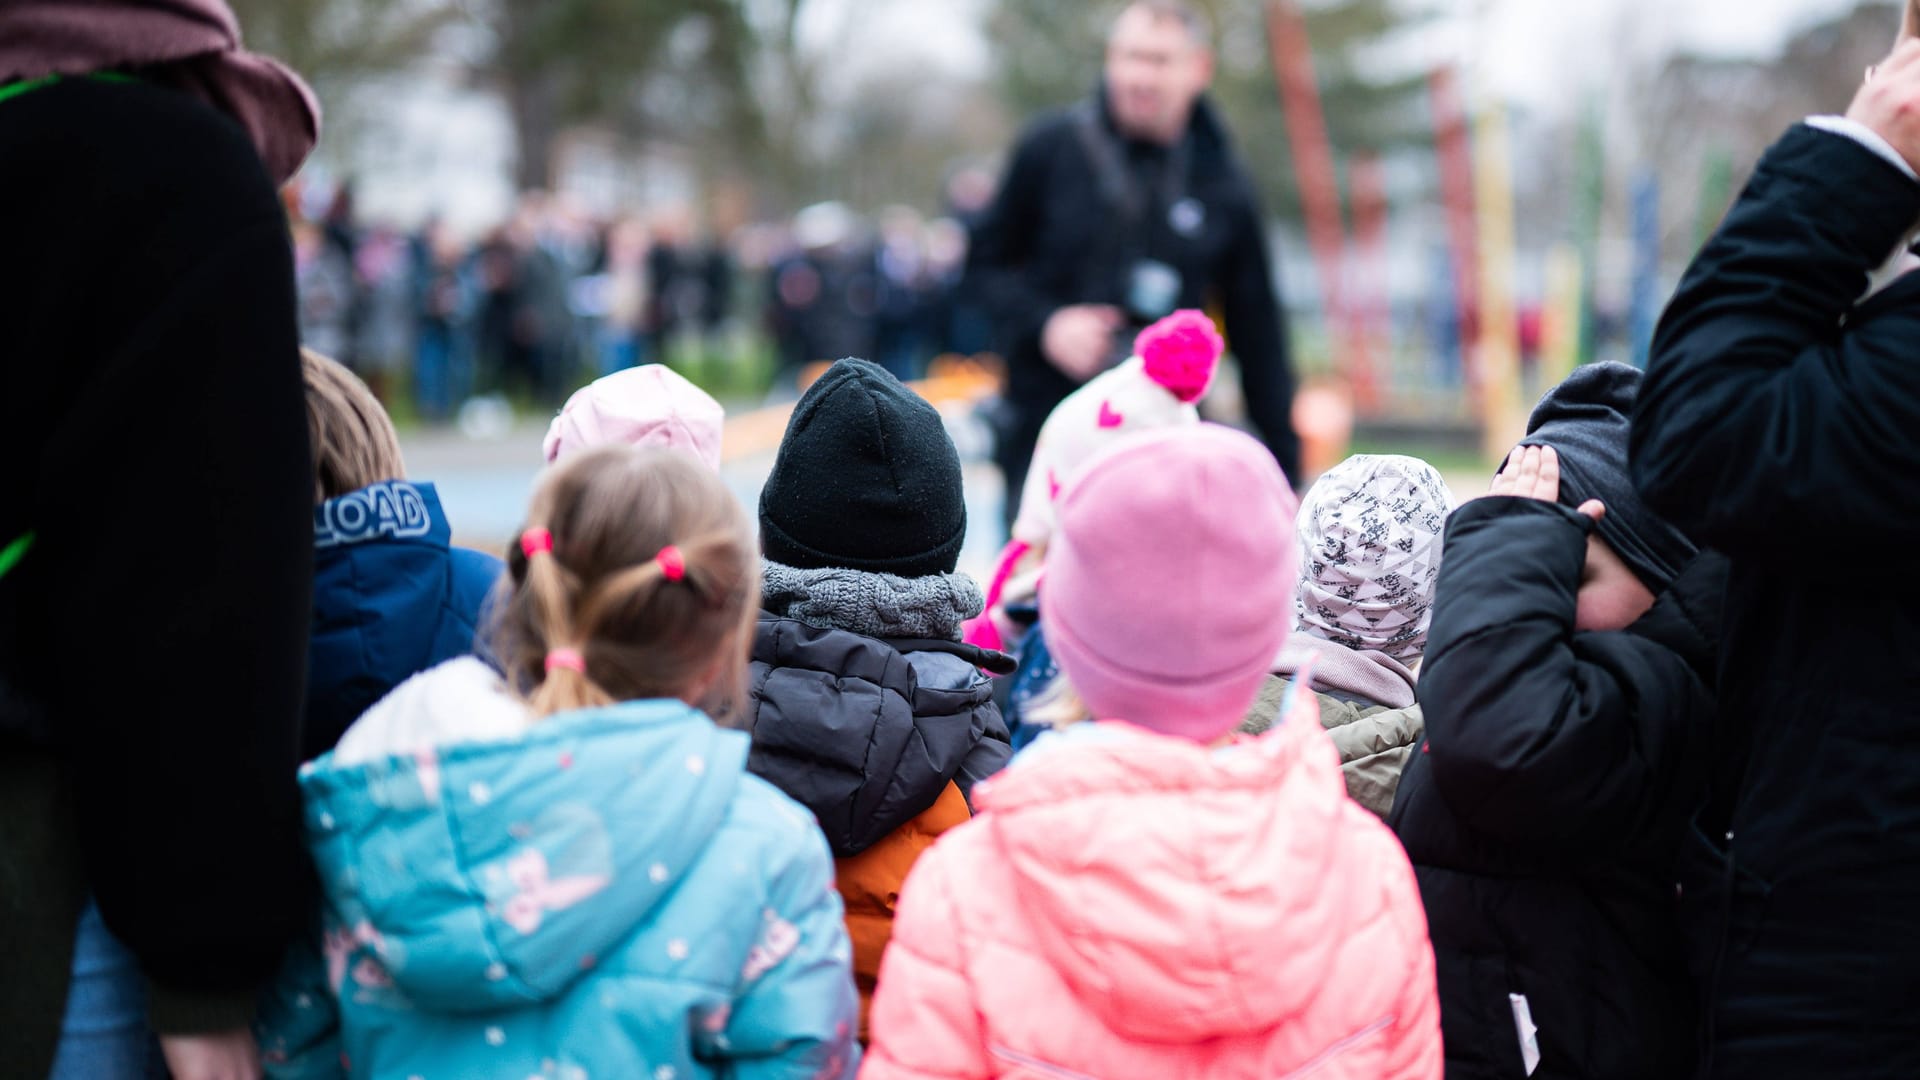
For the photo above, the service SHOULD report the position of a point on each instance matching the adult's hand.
(1533, 472)
(226, 1055)
(1889, 103)
(1078, 338)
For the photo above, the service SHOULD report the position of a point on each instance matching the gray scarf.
(875, 605)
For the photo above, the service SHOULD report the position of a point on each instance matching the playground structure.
(1468, 370)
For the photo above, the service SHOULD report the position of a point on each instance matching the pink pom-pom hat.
(1157, 388)
(1181, 352)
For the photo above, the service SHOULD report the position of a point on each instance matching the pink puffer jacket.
(1130, 905)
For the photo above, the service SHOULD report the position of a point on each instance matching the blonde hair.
(353, 440)
(604, 592)
(1058, 706)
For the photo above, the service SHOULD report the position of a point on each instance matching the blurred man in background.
(1117, 211)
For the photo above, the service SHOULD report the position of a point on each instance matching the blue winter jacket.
(391, 597)
(606, 893)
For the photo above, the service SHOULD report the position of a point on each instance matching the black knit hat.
(1586, 420)
(867, 479)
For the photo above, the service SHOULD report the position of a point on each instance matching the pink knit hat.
(1169, 586)
(644, 406)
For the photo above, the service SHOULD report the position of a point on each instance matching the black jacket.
(153, 641)
(1781, 423)
(1544, 813)
(867, 733)
(1051, 239)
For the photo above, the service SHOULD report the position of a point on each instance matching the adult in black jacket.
(1567, 717)
(153, 636)
(1781, 423)
(1112, 214)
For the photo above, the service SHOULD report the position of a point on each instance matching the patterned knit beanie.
(1370, 536)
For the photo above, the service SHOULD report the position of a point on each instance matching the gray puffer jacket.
(867, 732)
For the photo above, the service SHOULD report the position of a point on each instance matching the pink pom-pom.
(1181, 352)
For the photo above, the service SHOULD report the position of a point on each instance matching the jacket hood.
(490, 874)
(1174, 906)
(867, 732)
(390, 598)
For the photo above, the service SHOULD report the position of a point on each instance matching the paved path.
(485, 484)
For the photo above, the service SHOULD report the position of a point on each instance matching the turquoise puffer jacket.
(605, 893)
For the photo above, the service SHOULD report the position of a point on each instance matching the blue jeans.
(105, 1035)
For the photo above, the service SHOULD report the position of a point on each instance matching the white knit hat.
(1370, 537)
(1172, 368)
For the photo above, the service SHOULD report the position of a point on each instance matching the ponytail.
(564, 681)
(600, 614)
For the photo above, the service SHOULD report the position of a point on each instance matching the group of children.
(663, 798)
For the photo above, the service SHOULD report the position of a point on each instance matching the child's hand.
(229, 1055)
(1533, 472)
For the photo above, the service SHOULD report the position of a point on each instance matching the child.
(1159, 387)
(866, 706)
(1370, 544)
(644, 406)
(1151, 896)
(1567, 698)
(391, 596)
(568, 872)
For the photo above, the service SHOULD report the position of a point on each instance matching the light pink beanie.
(1169, 586)
(647, 406)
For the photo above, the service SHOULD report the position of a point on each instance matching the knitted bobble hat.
(867, 478)
(1172, 369)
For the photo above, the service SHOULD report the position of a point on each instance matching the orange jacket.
(870, 886)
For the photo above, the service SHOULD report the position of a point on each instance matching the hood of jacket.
(490, 874)
(1173, 908)
(391, 597)
(867, 732)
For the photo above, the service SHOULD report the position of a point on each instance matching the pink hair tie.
(535, 541)
(570, 659)
(672, 563)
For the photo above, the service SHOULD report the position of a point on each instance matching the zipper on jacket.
(1028, 1061)
(1326, 1056)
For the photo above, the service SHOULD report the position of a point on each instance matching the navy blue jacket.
(391, 598)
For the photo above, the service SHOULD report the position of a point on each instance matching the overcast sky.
(1541, 52)
(1530, 48)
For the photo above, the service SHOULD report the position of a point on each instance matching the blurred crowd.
(522, 312)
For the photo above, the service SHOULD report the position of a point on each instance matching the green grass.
(1448, 460)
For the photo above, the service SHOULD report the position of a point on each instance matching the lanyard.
(16, 550)
(11, 555)
(14, 90)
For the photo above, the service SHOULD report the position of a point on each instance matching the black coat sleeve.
(1003, 251)
(175, 512)
(1534, 732)
(1257, 334)
(1765, 423)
